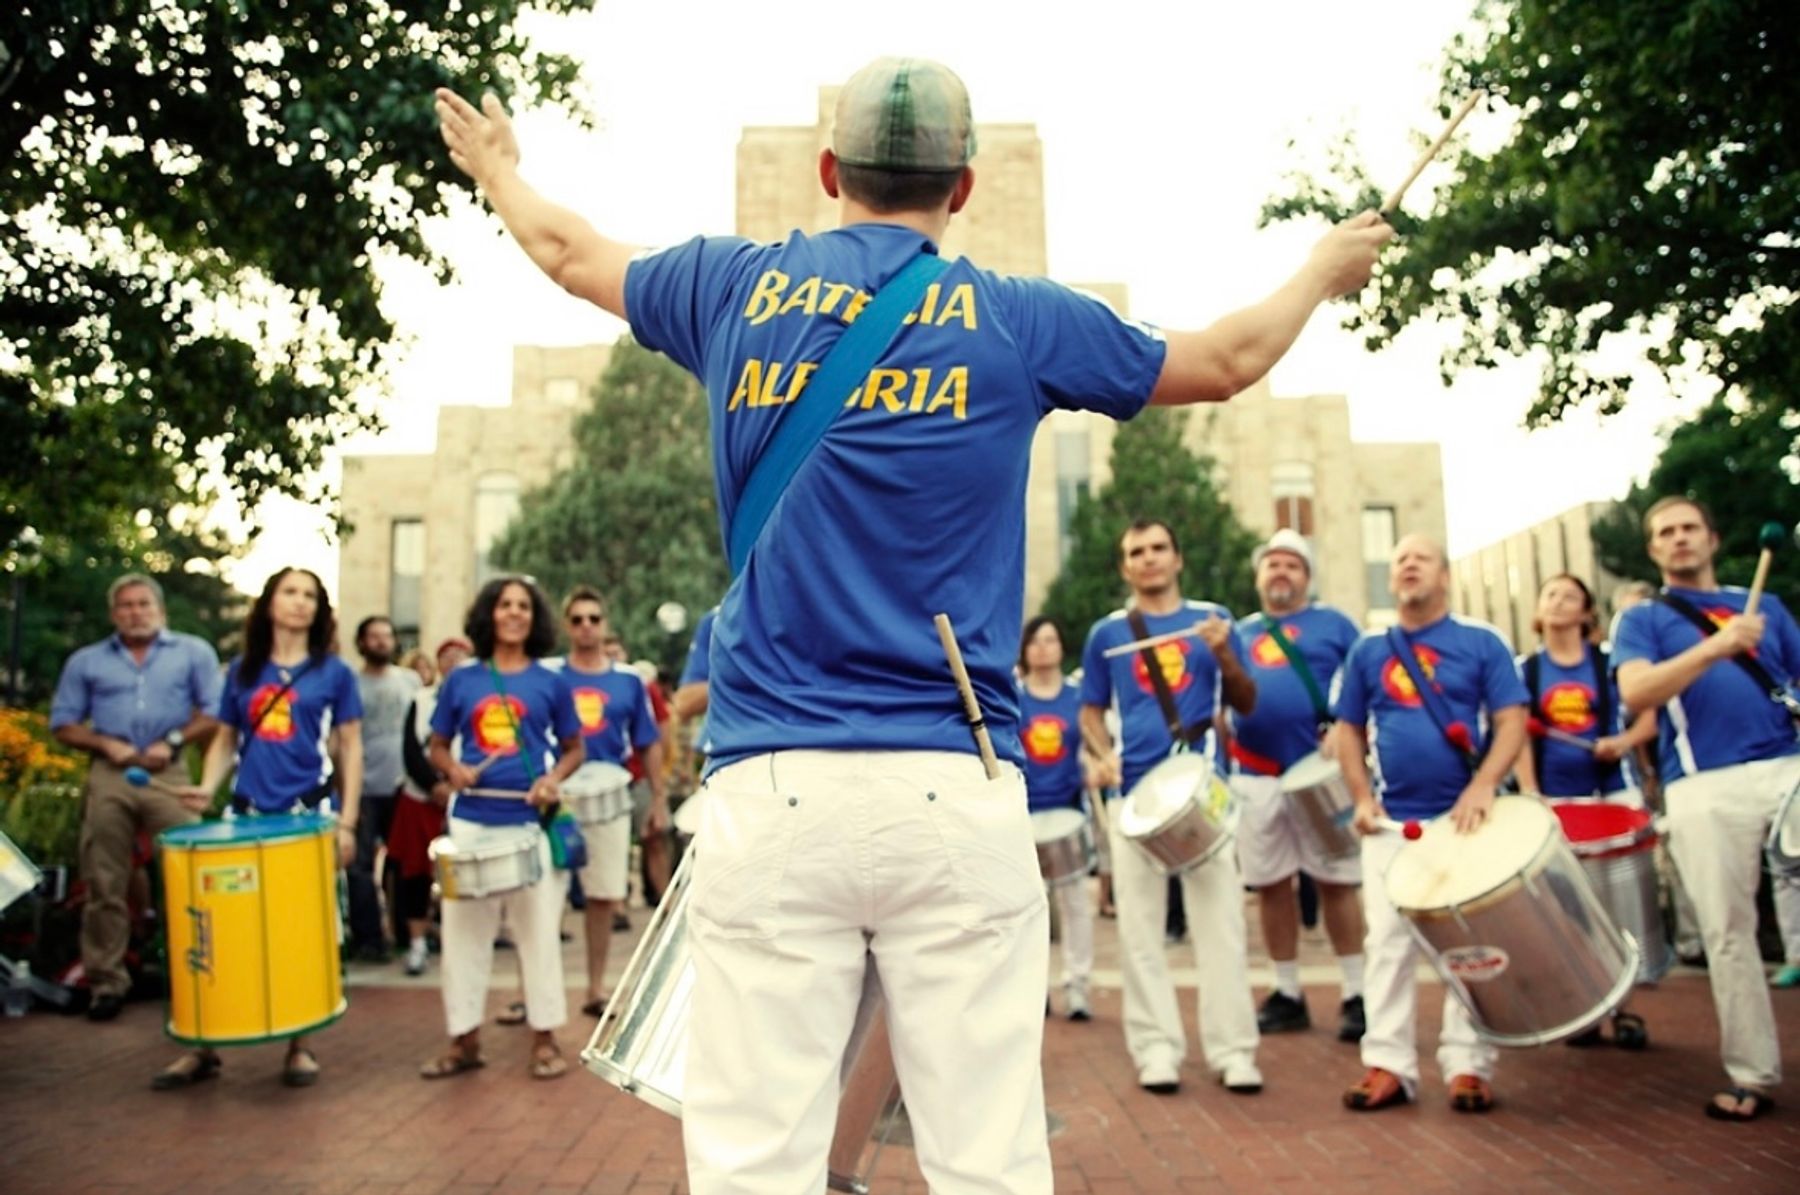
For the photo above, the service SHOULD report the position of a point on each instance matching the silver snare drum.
(1065, 845)
(1178, 813)
(470, 872)
(1316, 787)
(597, 793)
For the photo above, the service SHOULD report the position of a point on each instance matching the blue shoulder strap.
(826, 392)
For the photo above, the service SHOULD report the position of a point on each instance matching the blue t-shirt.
(913, 503)
(469, 704)
(284, 758)
(1050, 735)
(1124, 681)
(613, 708)
(1567, 701)
(1284, 727)
(699, 658)
(1723, 718)
(1418, 773)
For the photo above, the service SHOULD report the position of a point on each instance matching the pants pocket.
(985, 830)
(740, 861)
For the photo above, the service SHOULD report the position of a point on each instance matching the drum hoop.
(257, 1039)
(1534, 866)
(322, 829)
(1627, 843)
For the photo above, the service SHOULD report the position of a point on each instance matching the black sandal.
(1629, 1031)
(1760, 1102)
(300, 1076)
(206, 1065)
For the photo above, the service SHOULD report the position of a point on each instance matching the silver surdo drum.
(1316, 787)
(1065, 845)
(1179, 812)
(597, 793)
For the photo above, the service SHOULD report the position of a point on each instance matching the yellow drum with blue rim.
(251, 911)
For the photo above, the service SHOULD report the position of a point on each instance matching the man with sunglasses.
(616, 720)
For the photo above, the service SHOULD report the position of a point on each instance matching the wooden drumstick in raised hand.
(953, 653)
(1772, 536)
(1393, 199)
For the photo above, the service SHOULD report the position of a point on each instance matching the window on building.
(564, 391)
(406, 578)
(496, 505)
(1072, 479)
(1378, 536)
(1292, 483)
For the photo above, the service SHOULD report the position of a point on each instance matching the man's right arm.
(1219, 361)
(1646, 686)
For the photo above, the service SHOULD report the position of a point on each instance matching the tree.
(634, 514)
(1649, 188)
(1154, 476)
(192, 199)
(1740, 461)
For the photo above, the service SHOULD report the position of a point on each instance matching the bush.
(40, 789)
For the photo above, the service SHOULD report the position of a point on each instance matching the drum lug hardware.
(931, 796)
(793, 801)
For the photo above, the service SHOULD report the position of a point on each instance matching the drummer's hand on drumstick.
(440, 793)
(1471, 810)
(193, 796)
(1739, 636)
(460, 775)
(1369, 816)
(1107, 772)
(1611, 748)
(544, 791)
(1343, 258)
(1214, 631)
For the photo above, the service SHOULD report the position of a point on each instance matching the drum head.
(1598, 827)
(1164, 791)
(596, 776)
(1443, 868)
(1050, 825)
(1309, 772)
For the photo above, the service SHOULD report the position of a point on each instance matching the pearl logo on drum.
(1476, 964)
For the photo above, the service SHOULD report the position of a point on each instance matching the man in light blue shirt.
(134, 699)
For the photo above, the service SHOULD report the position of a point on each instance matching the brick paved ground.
(76, 1114)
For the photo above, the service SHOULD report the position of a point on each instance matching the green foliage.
(1743, 462)
(40, 789)
(1154, 476)
(634, 514)
(191, 200)
(1649, 186)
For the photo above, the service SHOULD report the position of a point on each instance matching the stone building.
(1500, 583)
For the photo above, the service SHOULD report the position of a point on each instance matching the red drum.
(1617, 848)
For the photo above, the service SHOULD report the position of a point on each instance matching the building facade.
(1499, 583)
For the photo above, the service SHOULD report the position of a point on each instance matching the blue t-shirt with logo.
(1050, 736)
(913, 503)
(1283, 729)
(613, 708)
(1124, 681)
(470, 704)
(1723, 718)
(284, 759)
(1418, 773)
(699, 658)
(1567, 701)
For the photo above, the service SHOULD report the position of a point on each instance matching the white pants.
(607, 875)
(534, 914)
(808, 862)
(1391, 991)
(1214, 898)
(1718, 822)
(1272, 845)
(1075, 911)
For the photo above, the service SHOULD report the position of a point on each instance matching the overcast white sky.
(1165, 126)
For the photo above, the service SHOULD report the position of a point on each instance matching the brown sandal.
(301, 1068)
(454, 1061)
(1377, 1089)
(547, 1061)
(1470, 1093)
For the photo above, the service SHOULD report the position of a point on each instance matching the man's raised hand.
(481, 141)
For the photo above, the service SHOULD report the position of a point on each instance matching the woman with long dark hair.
(506, 710)
(284, 698)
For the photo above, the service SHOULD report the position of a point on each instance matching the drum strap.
(1182, 735)
(1431, 696)
(1775, 690)
(1316, 695)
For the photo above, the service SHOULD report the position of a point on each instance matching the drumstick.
(1468, 106)
(481, 767)
(1125, 649)
(1769, 538)
(1538, 730)
(1409, 830)
(141, 778)
(953, 653)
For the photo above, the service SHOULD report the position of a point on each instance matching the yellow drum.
(252, 917)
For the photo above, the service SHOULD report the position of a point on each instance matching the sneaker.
(1352, 1022)
(1241, 1077)
(1282, 1013)
(417, 951)
(1160, 1078)
(1787, 977)
(1076, 999)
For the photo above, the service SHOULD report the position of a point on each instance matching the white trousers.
(607, 875)
(534, 915)
(1718, 822)
(1075, 913)
(1272, 845)
(1213, 895)
(1391, 990)
(808, 863)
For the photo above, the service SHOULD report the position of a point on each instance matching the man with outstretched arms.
(1294, 646)
(1421, 771)
(1197, 673)
(1727, 755)
(847, 813)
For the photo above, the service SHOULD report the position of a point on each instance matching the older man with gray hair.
(132, 700)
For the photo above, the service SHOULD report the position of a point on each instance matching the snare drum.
(1617, 848)
(1179, 812)
(597, 793)
(1316, 787)
(1784, 835)
(1065, 845)
(640, 1044)
(1510, 921)
(251, 911)
(489, 866)
(18, 875)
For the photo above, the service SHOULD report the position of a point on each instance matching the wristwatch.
(175, 739)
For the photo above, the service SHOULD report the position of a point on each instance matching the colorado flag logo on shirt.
(1173, 659)
(493, 726)
(1398, 683)
(1046, 739)
(277, 723)
(590, 707)
(1569, 706)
